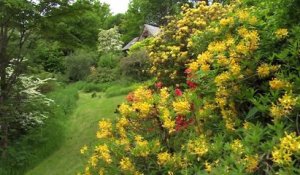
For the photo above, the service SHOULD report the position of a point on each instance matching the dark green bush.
(103, 75)
(49, 55)
(109, 60)
(93, 87)
(78, 65)
(136, 65)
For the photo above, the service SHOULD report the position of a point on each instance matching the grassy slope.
(82, 127)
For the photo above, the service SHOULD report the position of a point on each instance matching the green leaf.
(251, 113)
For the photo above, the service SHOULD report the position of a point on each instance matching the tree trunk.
(4, 139)
(4, 62)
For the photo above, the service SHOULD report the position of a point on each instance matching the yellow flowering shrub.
(227, 90)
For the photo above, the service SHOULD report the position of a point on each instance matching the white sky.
(117, 6)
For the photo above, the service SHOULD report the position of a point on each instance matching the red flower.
(182, 123)
(130, 97)
(188, 71)
(191, 84)
(158, 85)
(178, 92)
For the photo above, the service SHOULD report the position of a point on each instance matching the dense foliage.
(226, 100)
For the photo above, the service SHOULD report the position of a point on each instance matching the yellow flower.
(101, 171)
(222, 78)
(252, 20)
(281, 33)
(243, 32)
(83, 149)
(243, 15)
(227, 21)
(242, 48)
(205, 67)
(122, 122)
(205, 57)
(103, 153)
(125, 110)
(126, 164)
(142, 94)
(217, 46)
(208, 167)
(163, 158)
(142, 107)
(277, 84)
(289, 145)
(222, 60)
(193, 66)
(164, 95)
(169, 124)
(142, 146)
(105, 128)
(181, 107)
(287, 101)
(93, 160)
(235, 69)
(237, 146)
(263, 70)
(284, 107)
(277, 112)
(251, 163)
(198, 146)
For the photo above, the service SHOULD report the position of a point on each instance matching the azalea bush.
(226, 100)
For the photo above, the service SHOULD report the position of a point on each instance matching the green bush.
(109, 60)
(136, 65)
(49, 55)
(93, 87)
(32, 148)
(103, 75)
(78, 65)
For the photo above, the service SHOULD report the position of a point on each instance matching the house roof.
(132, 42)
(149, 30)
(153, 30)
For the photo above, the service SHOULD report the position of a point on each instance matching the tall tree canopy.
(75, 24)
(147, 11)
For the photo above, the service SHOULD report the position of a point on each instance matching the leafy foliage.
(109, 40)
(136, 65)
(78, 65)
(226, 100)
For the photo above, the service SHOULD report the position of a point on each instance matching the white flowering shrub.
(109, 40)
(27, 105)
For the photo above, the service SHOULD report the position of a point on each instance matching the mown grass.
(33, 147)
(81, 129)
(53, 149)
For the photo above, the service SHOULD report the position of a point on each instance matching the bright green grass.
(82, 127)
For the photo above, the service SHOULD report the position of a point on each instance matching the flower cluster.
(289, 145)
(221, 90)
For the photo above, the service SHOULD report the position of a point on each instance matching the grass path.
(82, 127)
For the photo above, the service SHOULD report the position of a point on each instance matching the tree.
(17, 18)
(109, 40)
(75, 25)
(147, 11)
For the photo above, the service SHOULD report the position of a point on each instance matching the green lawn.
(82, 127)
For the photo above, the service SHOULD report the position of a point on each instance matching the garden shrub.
(103, 75)
(49, 55)
(226, 100)
(93, 87)
(136, 65)
(109, 60)
(78, 65)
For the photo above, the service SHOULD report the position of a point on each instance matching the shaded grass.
(40, 142)
(81, 129)
(119, 90)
